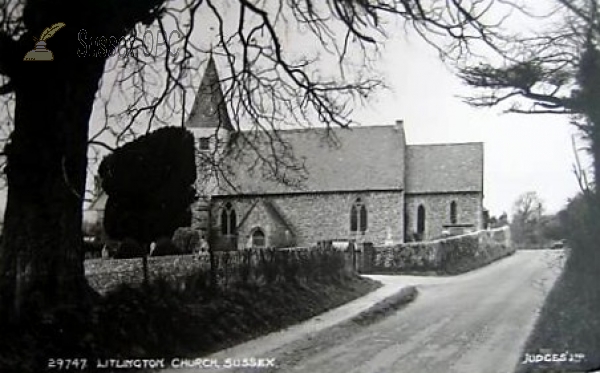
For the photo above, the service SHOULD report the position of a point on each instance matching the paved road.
(476, 322)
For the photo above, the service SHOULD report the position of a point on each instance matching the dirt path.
(476, 322)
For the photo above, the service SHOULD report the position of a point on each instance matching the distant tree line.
(532, 228)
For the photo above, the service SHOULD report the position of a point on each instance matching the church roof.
(210, 107)
(436, 168)
(334, 160)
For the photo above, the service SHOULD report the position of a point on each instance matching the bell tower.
(209, 120)
(210, 124)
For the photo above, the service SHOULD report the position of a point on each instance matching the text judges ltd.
(184, 363)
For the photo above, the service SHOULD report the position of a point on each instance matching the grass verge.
(569, 322)
(386, 306)
(167, 320)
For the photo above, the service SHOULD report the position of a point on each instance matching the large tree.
(41, 258)
(268, 82)
(552, 71)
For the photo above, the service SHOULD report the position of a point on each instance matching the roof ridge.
(316, 128)
(448, 143)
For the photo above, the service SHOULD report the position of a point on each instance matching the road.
(475, 322)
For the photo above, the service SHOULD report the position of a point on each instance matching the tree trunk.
(595, 150)
(41, 258)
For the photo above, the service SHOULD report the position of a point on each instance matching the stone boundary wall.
(106, 274)
(230, 266)
(452, 255)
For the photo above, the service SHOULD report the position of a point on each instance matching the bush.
(112, 247)
(93, 249)
(130, 248)
(165, 246)
(186, 239)
(150, 185)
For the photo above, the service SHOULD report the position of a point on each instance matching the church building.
(298, 187)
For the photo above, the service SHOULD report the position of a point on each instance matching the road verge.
(386, 306)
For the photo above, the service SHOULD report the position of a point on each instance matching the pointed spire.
(210, 81)
(210, 109)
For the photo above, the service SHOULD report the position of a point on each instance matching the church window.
(421, 220)
(453, 212)
(204, 143)
(358, 217)
(258, 238)
(228, 220)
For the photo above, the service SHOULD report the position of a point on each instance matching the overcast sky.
(522, 152)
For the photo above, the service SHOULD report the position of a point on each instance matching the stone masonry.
(316, 217)
(437, 212)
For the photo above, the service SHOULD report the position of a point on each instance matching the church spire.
(210, 109)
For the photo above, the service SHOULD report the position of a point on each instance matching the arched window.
(228, 220)
(453, 212)
(358, 217)
(421, 220)
(258, 238)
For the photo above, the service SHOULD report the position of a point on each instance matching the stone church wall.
(316, 217)
(437, 212)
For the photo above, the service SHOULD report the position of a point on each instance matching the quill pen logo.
(40, 53)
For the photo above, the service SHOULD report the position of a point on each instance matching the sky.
(522, 152)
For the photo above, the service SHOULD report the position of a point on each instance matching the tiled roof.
(444, 168)
(210, 108)
(361, 158)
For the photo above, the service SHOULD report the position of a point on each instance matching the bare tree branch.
(268, 82)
